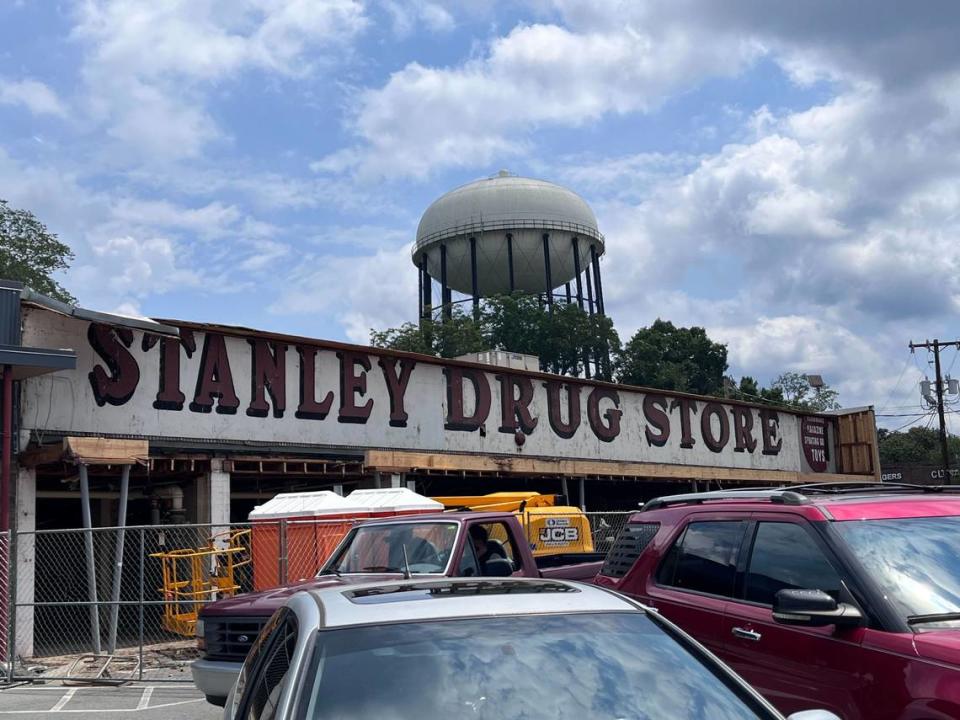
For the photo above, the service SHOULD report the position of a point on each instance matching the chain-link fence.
(122, 603)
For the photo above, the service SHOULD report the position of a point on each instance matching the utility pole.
(935, 346)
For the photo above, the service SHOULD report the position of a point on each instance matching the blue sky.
(784, 174)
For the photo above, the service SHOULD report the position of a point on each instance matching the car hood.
(266, 602)
(940, 645)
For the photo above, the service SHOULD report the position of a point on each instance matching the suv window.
(704, 558)
(631, 541)
(264, 675)
(786, 557)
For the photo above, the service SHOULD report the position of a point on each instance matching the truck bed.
(570, 566)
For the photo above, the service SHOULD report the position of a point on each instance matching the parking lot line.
(64, 700)
(145, 698)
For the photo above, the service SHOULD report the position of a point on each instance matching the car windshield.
(421, 547)
(915, 561)
(603, 665)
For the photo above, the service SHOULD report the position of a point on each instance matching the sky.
(783, 174)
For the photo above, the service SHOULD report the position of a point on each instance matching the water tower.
(504, 234)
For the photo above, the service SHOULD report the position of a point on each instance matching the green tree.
(458, 336)
(916, 445)
(798, 392)
(563, 339)
(749, 390)
(671, 358)
(30, 253)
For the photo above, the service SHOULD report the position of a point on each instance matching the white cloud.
(426, 118)
(408, 15)
(148, 65)
(34, 95)
(362, 292)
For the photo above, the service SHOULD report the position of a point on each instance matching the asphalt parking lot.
(158, 701)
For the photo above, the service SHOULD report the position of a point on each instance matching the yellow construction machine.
(551, 529)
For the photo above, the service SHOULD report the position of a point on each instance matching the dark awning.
(28, 362)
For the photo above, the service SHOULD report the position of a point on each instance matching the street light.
(816, 381)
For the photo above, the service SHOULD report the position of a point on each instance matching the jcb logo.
(559, 535)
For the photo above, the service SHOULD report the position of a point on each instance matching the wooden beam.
(406, 461)
(105, 451)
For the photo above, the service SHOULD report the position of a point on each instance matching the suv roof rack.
(795, 494)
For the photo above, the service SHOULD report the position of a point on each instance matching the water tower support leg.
(569, 298)
(546, 271)
(595, 261)
(589, 293)
(473, 278)
(510, 261)
(427, 289)
(445, 297)
(576, 269)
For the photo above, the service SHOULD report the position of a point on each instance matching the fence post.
(143, 547)
(91, 560)
(118, 561)
(282, 576)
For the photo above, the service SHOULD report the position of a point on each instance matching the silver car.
(483, 649)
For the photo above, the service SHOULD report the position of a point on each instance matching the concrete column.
(25, 523)
(412, 485)
(219, 497)
(396, 480)
(201, 503)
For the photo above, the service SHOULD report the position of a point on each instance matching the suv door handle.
(745, 634)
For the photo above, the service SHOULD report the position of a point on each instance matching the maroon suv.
(838, 596)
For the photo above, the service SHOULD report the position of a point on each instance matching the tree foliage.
(798, 392)
(563, 339)
(916, 445)
(674, 358)
(30, 253)
(749, 390)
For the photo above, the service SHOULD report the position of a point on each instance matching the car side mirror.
(813, 608)
(498, 567)
(813, 715)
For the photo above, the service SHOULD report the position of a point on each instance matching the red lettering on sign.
(397, 386)
(111, 344)
(608, 431)
(351, 385)
(743, 429)
(268, 374)
(565, 430)
(309, 408)
(215, 379)
(687, 408)
(456, 419)
(515, 410)
(712, 441)
(770, 431)
(655, 412)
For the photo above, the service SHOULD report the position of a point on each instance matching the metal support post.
(118, 561)
(91, 560)
(589, 292)
(510, 261)
(445, 296)
(569, 296)
(595, 261)
(548, 279)
(283, 552)
(583, 494)
(143, 553)
(426, 295)
(576, 269)
(473, 278)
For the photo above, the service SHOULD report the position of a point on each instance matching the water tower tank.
(509, 233)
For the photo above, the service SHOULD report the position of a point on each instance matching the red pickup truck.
(455, 544)
(840, 596)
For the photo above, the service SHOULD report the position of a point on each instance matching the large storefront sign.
(221, 387)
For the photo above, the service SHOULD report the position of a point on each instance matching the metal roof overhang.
(26, 362)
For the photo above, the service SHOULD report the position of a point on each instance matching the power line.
(906, 364)
(912, 422)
